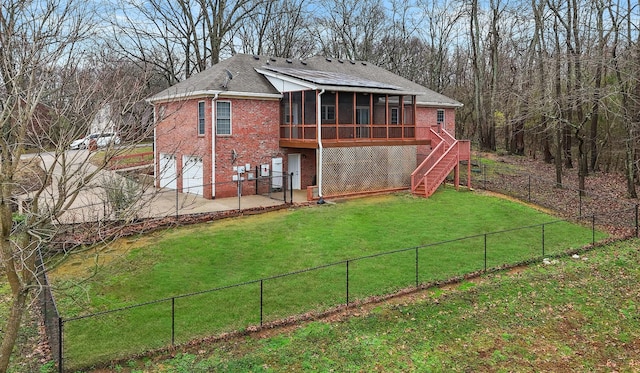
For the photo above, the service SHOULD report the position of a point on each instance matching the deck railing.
(349, 132)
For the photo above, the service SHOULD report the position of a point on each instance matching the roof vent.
(364, 64)
(225, 85)
(273, 59)
(303, 62)
(289, 61)
(328, 59)
(256, 57)
(353, 62)
(341, 61)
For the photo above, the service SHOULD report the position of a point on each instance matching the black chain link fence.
(161, 324)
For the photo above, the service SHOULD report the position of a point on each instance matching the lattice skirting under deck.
(371, 168)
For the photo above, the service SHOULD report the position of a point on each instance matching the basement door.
(293, 167)
(192, 175)
(168, 171)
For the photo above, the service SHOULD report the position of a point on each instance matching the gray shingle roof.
(245, 80)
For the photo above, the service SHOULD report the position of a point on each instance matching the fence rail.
(416, 266)
(346, 282)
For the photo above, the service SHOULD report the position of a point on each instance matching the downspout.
(156, 154)
(213, 145)
(319, 135)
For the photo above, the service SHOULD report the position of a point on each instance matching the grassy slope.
(576, 315)
(236, 250)
(226, 252)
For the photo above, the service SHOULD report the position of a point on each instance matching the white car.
(101, 140)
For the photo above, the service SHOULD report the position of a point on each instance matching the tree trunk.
(479, 111)
(582, 166)
(558, 157)
(558, 97)
(630, 167)
(18, 306)
(546, 146)
(593, 135)
(567, 143)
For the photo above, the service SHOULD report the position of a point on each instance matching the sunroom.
(352, 111)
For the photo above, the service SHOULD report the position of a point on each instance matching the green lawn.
(234, 251)
(573, 316)
(98, 157)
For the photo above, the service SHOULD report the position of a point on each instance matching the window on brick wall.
(200, 118)
(440, 117)
(223, 118)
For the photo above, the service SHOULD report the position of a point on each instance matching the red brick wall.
(255, 139)
(177, 133)
(307, 165)
(427, 116)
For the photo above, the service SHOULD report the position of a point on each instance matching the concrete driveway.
(91, 203)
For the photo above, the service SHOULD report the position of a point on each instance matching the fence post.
(256, 179)
(291, 188)
(416, 267)
(239, 192)
(176, 202)
(579, 203)
(636, 221)
(173, 321)
(529, 189)
(347, 283)
(261, 300)
(484, 176)
(542, 240)
(60, 341)
(485, 252)
(593, 229)
(285, 180)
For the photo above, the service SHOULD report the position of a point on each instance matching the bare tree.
(278, 28)
(179, 37)
(348, 28)
(487, 136)
(626, 59)
(51, 89)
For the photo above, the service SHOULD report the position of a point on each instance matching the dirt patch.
(83, 262)
(516, 200)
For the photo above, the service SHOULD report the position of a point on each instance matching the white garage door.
(168, 171)
(192, 175)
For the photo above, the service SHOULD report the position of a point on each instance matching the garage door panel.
(192, 175)
(168, 175)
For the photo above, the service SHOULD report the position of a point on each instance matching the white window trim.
(215, 118)
(204, 119)
(443, 116)
(325, 112)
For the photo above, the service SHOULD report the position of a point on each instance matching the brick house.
(249, 117)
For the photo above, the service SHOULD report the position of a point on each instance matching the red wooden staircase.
(445, 156)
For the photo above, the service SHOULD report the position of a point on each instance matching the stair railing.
(445, 145)
(436, 152)
(447, 161)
